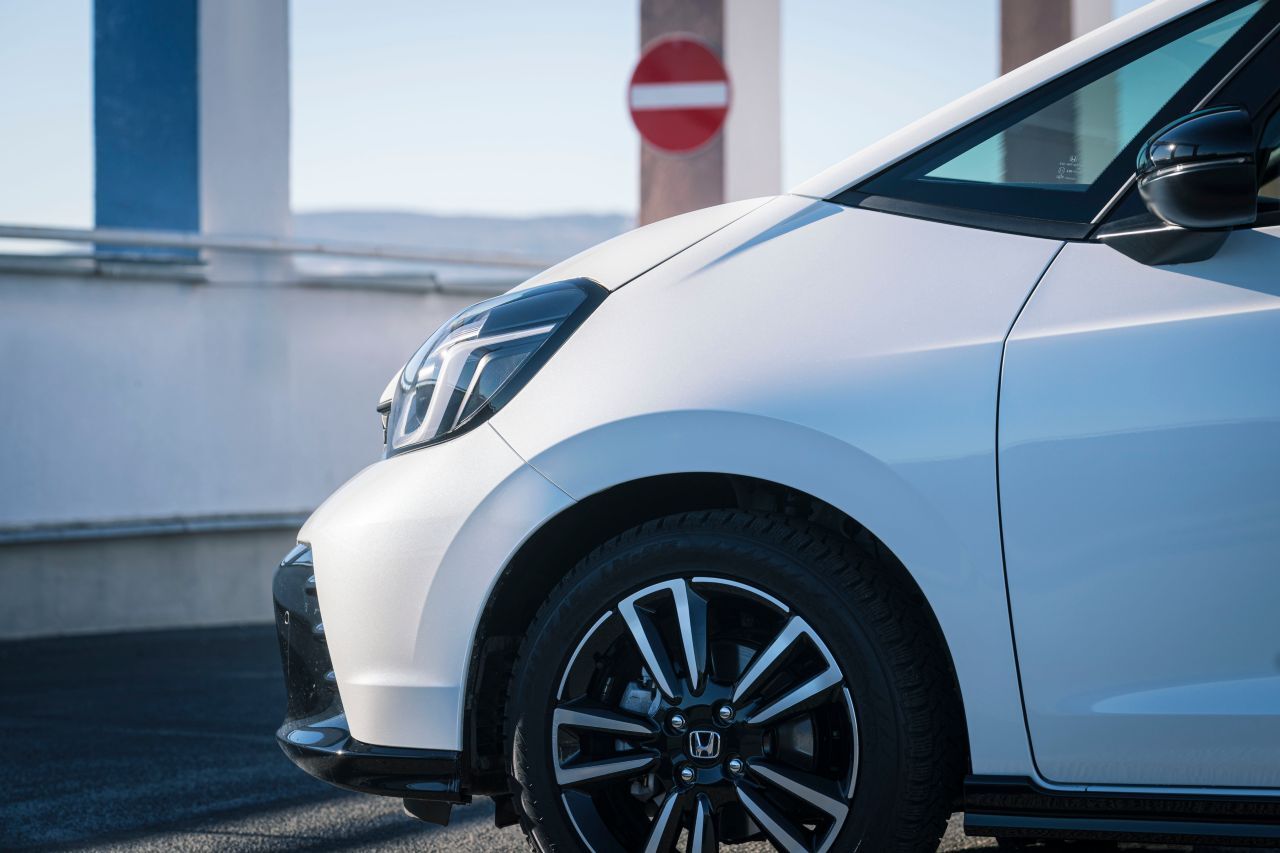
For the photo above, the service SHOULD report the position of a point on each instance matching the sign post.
(705, 97)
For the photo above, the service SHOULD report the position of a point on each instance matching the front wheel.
(718, 677)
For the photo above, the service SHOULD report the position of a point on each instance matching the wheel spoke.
(823, 794)
(647, 640)
(589, 772)
(798, 698)
(784, 835)
(666, 826)
(767, 660)
(579, 715)
(596, 835)
(691, 617)
(702, 838)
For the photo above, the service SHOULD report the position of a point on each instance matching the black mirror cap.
(1201, 171)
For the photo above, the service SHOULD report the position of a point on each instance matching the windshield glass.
(1067, 144)
(1032, 158)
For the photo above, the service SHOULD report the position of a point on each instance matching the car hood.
(615, 262)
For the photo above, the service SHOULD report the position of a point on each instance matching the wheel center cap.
(704, 744)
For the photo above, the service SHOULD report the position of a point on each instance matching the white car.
(949, 480)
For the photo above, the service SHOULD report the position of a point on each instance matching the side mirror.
(1201, 172)
(1200, 177)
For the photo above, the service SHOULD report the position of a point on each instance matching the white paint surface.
(615, 262)
(802, 343)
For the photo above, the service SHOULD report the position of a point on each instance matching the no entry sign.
(679, 94)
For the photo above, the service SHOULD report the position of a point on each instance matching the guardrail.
(259, 245)
(77, 531)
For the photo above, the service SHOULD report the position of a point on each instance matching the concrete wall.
(133, 583)
(134, 405)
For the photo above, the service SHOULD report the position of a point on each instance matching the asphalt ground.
(165, 741)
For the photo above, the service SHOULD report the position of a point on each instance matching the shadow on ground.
(164, 741)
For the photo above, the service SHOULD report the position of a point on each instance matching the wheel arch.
(564, 539)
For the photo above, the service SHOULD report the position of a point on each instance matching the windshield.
(1041, 156)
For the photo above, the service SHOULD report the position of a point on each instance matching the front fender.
(965, 589)
(750, 445)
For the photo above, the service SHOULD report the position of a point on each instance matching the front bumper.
(406, 555)
(315, 734)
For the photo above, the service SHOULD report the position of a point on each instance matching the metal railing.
(260, 245)
(79, 531)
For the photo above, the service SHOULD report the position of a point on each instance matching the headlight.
(475, 362)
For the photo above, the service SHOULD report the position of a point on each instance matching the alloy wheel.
(699, 711)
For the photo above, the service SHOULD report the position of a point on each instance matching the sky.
(490, 106)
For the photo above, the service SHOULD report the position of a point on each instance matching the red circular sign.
(679, 94)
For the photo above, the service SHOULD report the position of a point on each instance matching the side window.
(1063, 151)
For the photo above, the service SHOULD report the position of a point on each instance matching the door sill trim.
(1013, 806)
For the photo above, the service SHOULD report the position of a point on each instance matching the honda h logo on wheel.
(704, 744)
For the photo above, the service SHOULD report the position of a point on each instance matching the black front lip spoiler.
(326, 750)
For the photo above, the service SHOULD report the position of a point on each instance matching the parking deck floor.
(164, 741)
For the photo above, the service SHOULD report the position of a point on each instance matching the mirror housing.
(1201, 173)
(1199, 177)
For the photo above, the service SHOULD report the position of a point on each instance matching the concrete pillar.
(244, 132)
(191, 123)
(745, 160)
(1088, 15)
(1031, 28)
(1101, 110)
(753, 130)
(1054, 148)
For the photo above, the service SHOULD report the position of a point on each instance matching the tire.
(854, 729)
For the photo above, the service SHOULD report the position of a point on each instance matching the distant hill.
(551, 237)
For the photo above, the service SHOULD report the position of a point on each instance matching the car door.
(1139, 474)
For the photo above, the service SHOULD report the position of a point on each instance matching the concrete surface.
(138, 583)
(178, 401)
(164, 741)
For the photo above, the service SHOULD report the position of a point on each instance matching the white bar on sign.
(679, 96)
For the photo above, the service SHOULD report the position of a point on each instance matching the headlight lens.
(475, 362)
